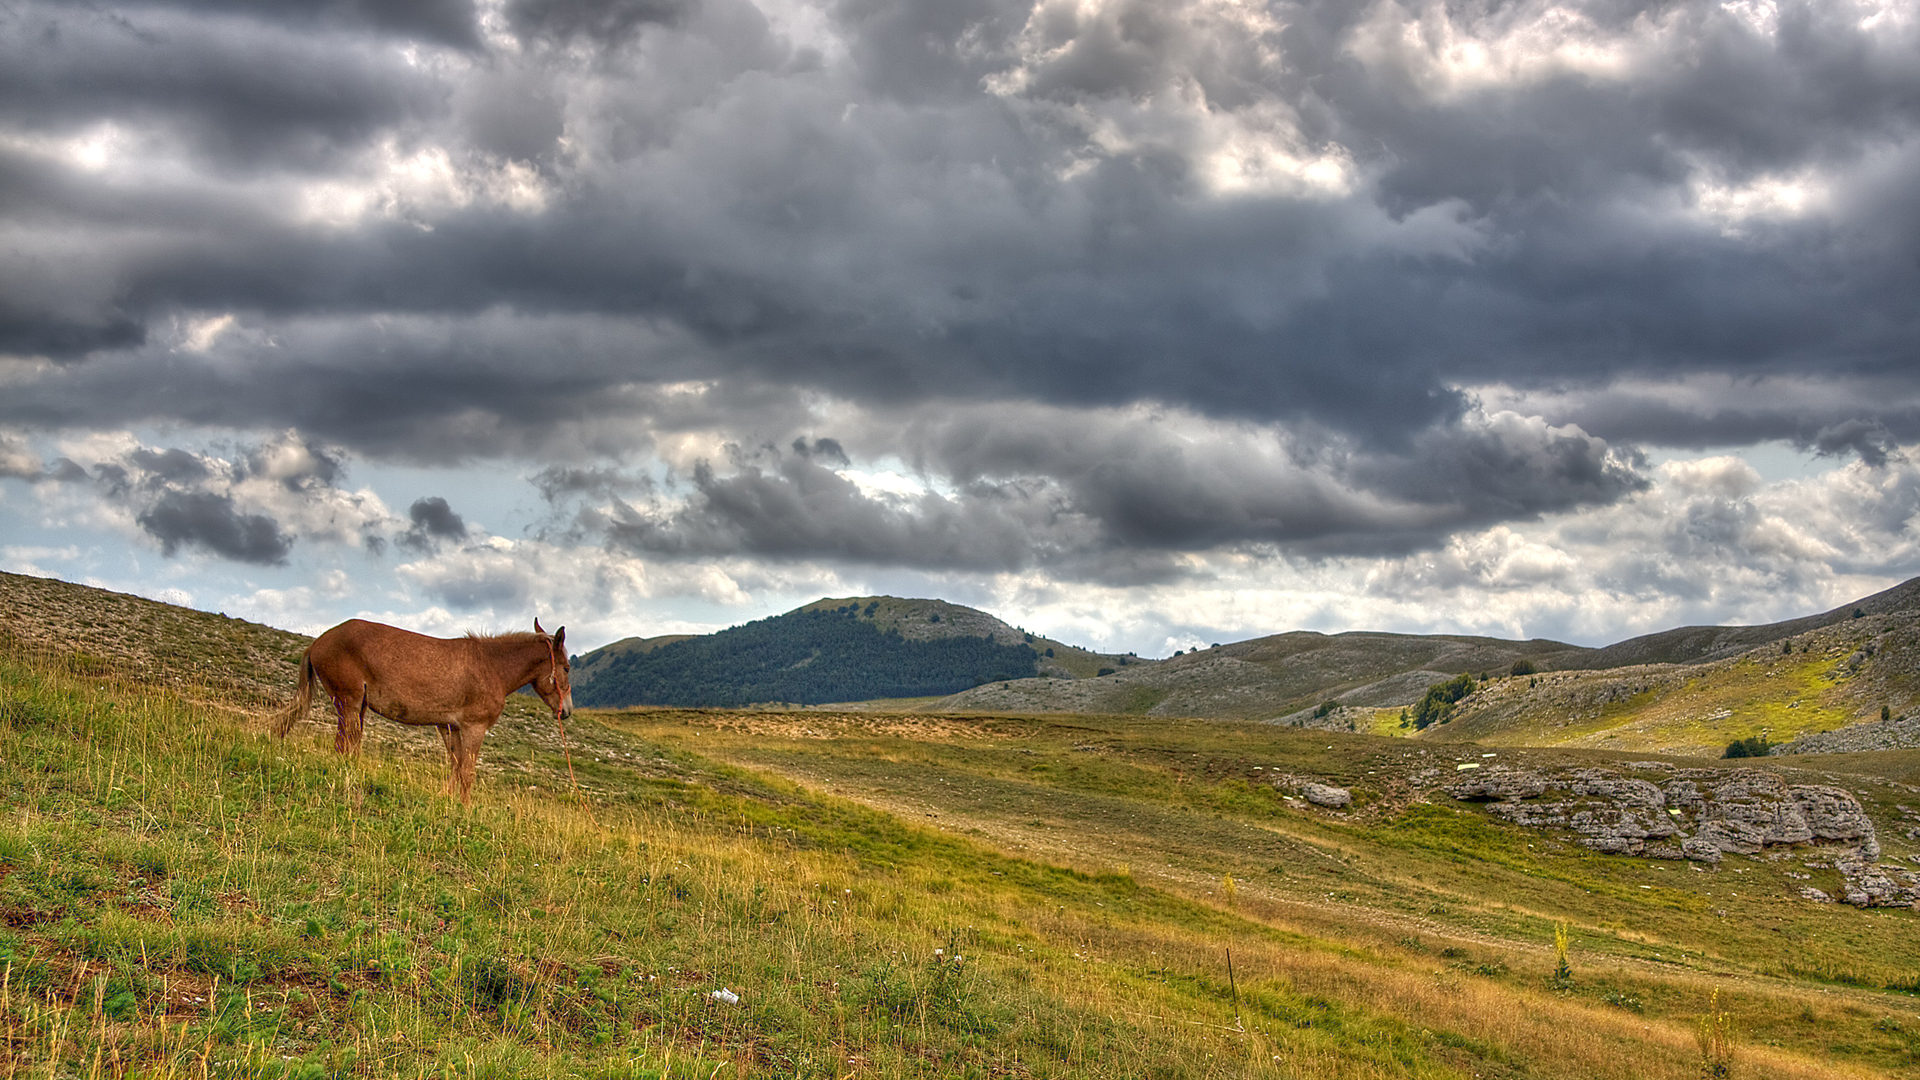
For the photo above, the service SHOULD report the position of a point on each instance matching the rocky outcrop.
(1333, 798)
(1697, 814)
(1899, 733)
(1313, 790)
(1499, 784)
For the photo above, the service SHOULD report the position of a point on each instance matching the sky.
(1140, 323)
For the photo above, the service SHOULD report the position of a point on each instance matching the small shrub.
(1326, 709)
(1562, 968)
(1522, 667)
(1105, 671)
(1620, 999)
(1753, 746)
(1886, 713)
(493, 982)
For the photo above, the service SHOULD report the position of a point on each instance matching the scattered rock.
(1899, 733)
(1336, 798)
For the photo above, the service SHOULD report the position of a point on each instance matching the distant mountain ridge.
(1696, 644)
(1284, 677)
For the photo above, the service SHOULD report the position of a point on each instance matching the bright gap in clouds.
(1774, 461)
(1746, 535)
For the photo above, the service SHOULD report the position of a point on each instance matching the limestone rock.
(1833, 814)
(1701, 815)
(1336, 798)
(1501, 785)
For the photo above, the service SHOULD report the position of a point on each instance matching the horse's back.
(380, 651)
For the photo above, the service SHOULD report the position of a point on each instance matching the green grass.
(1184, 797)
(182, 896)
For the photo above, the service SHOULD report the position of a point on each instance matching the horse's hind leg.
(358, 729)
(351, 709)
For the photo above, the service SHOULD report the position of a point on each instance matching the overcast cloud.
(1102, 308)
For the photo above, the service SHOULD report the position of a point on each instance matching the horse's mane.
(511, 637)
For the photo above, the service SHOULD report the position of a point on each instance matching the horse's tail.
(284, 720)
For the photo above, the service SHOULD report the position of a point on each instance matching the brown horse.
(458, 685)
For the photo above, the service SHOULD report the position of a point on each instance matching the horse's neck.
(520, 662)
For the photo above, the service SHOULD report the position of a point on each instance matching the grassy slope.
(184, 895)
(1264, 678)
(1403, 884)
(1699, 708)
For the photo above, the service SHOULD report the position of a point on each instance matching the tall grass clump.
(1562, 967)
(1714, 1036)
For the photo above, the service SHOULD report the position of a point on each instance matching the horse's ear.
(536, 626)
(560, 641)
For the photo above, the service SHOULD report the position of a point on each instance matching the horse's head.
(556, 687)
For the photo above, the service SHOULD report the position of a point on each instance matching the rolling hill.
(1690, 690)
(908, 895)
(832, 650)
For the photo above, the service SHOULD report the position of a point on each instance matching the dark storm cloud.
(250, 506)
(1870, 439)
(558, 483)
(1076, 493)
(608, 22)
(447, 21)
(1297, 215)
(433, 521)
(241, 92)
(210, 522)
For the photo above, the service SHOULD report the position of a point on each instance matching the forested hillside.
(810, 657)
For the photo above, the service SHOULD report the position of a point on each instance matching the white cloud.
(1448, 52)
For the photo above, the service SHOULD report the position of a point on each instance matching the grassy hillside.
(1291, 678)
(915, 620)
(1826, 678)
(1691, 644)
(185, 896)
(587, 668)
(1270, 678)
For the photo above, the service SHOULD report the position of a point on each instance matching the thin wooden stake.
(1238, 1024)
